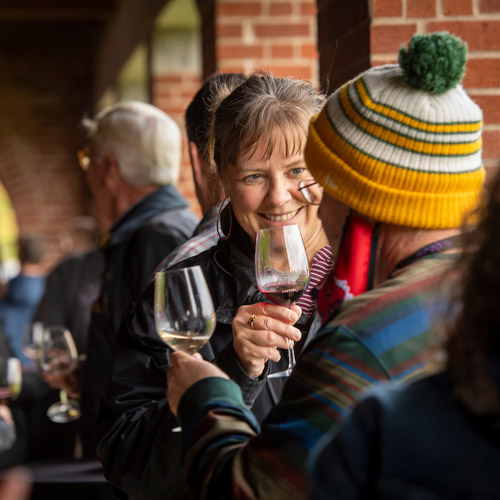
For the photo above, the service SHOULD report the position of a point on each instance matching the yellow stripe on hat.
(432, 128)
(391, 175)
(398, 140)
(380, 202)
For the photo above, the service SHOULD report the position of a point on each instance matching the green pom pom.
(434, 63)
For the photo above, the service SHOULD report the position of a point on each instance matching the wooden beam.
(132, 23)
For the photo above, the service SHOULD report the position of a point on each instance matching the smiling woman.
(257, 139)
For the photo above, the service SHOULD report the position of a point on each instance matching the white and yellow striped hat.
(399, 151)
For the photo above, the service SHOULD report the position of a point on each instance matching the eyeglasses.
(311, 191)
(84, 158)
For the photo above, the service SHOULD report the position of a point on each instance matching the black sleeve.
(135, 442)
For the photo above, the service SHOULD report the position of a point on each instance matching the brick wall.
(270, 35)
(172, 93)
(475, 21)
(42, 93)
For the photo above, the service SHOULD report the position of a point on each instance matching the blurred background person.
(132, 164)
(208, 186)
(70, 290)
(24, 292)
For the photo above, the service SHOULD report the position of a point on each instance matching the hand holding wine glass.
(58, 357)
(282, 272)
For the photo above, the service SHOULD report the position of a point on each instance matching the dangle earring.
(220, 231)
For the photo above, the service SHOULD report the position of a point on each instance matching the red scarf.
(354, 267)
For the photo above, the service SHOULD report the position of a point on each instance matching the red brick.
(389, 38)
(491, 144)
(229, 68)
(229, 31)
(277, 30)
(240, 51)
(482, 73)
(457, 7)
(387, 8)
(238, 8)
(490, 104)
(308, 9)
(303, 72)
(280, 9)
(479, 35)
(309, 51)
(168, 79)
(489, 6)
(421, 8)
(282, 51)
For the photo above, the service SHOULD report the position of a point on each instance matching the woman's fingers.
(259, 330)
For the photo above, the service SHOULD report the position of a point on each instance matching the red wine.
(283, 294)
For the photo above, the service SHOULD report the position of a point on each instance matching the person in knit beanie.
(397, 152)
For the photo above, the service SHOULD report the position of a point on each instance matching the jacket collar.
(164, 199)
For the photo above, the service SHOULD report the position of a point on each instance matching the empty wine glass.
(184, 311)
(59, 357)
(281, 272)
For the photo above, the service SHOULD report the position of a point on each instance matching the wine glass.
(281, 272)
(184, 311)
(10, 377)
(58, 357)
(32, 339)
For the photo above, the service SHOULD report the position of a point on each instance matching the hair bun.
(434, 63)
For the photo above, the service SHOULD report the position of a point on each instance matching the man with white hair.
(132, 164)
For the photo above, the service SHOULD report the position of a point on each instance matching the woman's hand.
(185, 370)
(256, 341)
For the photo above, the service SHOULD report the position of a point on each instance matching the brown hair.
(475, 335)
(264, 106)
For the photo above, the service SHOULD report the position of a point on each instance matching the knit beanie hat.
(402, 143)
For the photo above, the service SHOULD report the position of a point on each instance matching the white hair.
(144, 140)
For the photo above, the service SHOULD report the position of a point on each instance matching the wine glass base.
(284, 373)
(62, 413)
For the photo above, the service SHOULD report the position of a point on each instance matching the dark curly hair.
(475, 335)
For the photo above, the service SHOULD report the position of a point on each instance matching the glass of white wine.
(10, 378)
(184, 311)
(59, 357)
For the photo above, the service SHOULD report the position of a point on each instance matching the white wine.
(185, 342)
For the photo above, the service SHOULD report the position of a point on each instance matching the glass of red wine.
(281, 272)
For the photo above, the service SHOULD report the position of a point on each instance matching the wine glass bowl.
(281, 271)
(58, 357)
(32, 339)
(184, 311)
(10, 377)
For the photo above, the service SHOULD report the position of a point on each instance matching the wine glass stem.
(63, 397)
(291, 355)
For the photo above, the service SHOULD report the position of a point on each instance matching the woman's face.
(264, 194)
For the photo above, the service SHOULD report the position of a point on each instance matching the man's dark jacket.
(137, 243)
